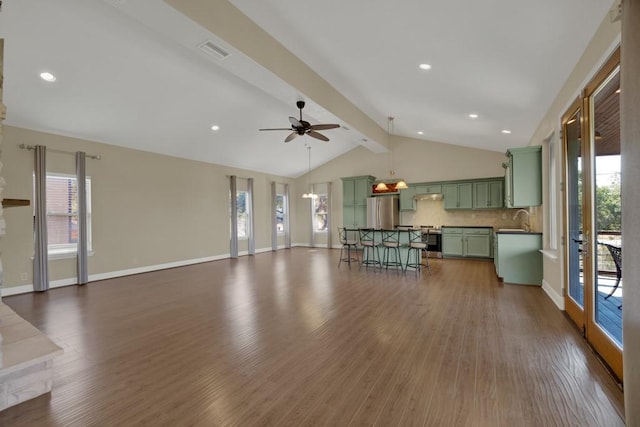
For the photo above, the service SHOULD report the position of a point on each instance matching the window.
(281, 212)
(320, 213)
(243, 214)
(62, 214)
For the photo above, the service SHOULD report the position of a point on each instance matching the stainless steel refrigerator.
(383, 212)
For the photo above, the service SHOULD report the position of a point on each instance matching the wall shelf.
(12, 203)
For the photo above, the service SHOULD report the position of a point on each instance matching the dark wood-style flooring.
(288, 338)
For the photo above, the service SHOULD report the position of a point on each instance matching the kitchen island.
(430, 236)
(517, 257)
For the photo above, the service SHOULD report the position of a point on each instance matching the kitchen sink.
(512, 230)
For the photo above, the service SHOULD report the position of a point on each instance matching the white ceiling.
(130, 74)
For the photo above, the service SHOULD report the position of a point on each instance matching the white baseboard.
(23, 289)
(557, 299)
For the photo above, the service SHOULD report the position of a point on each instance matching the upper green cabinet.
(488, 194)
(407, 199)
(523, 177)
(458, 195)
(355, 191)
(428, 189)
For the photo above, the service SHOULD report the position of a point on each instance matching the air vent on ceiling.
(212, 49)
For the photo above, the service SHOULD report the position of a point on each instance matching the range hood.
(435, 196)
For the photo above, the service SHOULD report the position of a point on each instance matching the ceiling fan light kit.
(302, 127)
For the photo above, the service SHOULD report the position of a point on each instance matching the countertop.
(519, 232)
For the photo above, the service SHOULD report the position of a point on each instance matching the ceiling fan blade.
(324, 127)
(295, 122)
(317, 135)
(291, 136)
(277, 129)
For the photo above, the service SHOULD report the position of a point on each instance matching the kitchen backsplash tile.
(432, 212)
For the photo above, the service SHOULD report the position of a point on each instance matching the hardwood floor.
(288, 338)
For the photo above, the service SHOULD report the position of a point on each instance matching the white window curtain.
(83, 243)
(41, 249)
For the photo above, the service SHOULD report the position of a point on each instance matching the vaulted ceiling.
(131, 73)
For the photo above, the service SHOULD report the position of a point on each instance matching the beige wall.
(148, 209)
(602, 45)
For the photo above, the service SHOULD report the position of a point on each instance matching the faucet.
(526, 224)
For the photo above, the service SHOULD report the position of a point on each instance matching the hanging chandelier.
(310, 194)
(397, 184)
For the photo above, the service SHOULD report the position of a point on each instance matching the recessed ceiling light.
(425, 66)
(215, 128)
(506, 131)
(473, 115)
(420, 132)
(47, 76)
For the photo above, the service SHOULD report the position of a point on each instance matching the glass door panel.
(574, 204)
(608, 285)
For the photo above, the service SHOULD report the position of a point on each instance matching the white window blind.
(62, 213)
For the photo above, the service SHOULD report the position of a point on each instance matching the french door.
(592, 214)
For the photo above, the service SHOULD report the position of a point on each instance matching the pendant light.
(310, 194)
(399, 184)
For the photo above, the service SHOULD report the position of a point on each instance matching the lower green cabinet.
(473, 242)
(452, 242)
(518, 258)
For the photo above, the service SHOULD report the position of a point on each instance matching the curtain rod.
(32, 147)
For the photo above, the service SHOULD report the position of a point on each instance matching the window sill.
(65, 255)
(551, 254)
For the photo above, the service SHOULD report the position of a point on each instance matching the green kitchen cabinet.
(474, 242)
(488, 194)
(458, 195)
(452, 242)
(428, 189)
(355, 191)
(523, 177)
(407, 199)
(518, 258)
(477, 242)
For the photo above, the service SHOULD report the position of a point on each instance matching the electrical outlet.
(504, 216)
(24, 276)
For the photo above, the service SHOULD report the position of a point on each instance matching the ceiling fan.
(302, 127)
